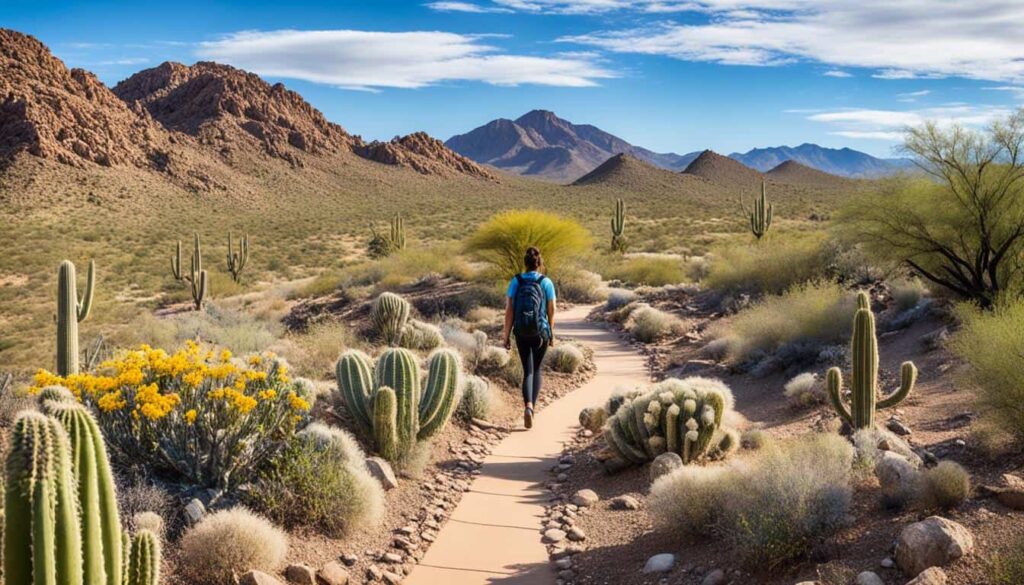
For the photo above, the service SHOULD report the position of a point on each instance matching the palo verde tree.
(962, 226)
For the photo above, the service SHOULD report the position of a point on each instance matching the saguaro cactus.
(142, 566)
(42, 543)
(618, 226)
(761, 215)
(398, 232)
(176, 263)
(196, 277)
(389, 314)
(392, 406)
(237, 260)
(70, 311)
(97, 499)
(864, 376)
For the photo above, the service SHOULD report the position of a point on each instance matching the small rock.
(576, 534)
(585, 498)
(887, 563)
(665, 463)
(662, 563)
(194, 511)
(392, 578)
(716, 577)
(381, 469)
(930, 576)
(899, 427)
(258, 578)
(625, 503)
(300, 575)
(869, 578)
(1011, 493)
(333, 574)
(932, 542)
(553, 535)
(563, 563)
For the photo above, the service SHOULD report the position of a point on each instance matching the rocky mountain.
(844, 162)
(540, 144)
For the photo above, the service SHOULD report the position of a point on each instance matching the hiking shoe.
(528, 418)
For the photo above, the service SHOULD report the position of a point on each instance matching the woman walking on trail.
(530, 315)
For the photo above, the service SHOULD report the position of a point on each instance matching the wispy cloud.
(911, 96)
(911, 39)
(466, 7)
(837, 73)
(890, 125)
(125, 61)
(366, 60)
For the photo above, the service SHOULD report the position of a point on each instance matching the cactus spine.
(618, 227)
(761, 216)
(394, 408)
(237, 260)
(142, 566)
(97, 499)
(864, 376)
(42, 543)
(70, 311)
(389, 314)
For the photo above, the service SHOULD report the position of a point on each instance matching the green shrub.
(647, 270)
(805, 390)
(648, 324)
(320, 481)
(946, 486)
(756, 439)
(477, 398)
(768, 268)
(807, 312)
(229, 543)
(991, 342)
(576, 285)
(1007, 568)
(773, 509)
(565, 358)
(908, 293)
(502, 240)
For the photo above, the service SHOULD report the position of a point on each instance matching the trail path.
(493, 535)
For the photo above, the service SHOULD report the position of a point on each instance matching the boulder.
(257, 578)
(585, 498)
(930, 576)
(194, 511)
(333, 573)
(869, 578)
(300, 575)
(1010, 494)
(381, 469)
(661, 563)
(665, 463)
(932, 542)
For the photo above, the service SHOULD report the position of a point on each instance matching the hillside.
(724, 171)
(794, 173)
(843, 162)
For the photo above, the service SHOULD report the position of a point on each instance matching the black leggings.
(531, 353)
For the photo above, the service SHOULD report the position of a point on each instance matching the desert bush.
(320, 480)
(618, 298)
(236, 330)
(756, 439)
(1007, 567)
(773, 509)
(565, 358)
(991, 342)
(135, 498)
(907, 293)
(406, 267)
(314, 352)
(502, 240)
(757, 268)
(421, 336)
(229, 543)
(808, 312)
(647, 270)
(576, 285)
(648, 324)
(198, 413)
(477, 398)
(946, 486)
(805, 389)
(478, 356)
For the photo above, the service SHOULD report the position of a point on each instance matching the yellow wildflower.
(111, 401)
(225, 356)
(269, 394)
(190, 416)
(297, 402)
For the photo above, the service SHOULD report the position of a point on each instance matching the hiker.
(530, 315)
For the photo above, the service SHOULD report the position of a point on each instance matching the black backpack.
(528, 307)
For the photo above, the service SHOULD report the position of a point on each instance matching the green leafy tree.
(503, 239)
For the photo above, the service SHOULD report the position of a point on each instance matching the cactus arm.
(908, 377)
(385, 415)
(671, 429)
(176, 262)
(85, 303)
(355, 385)
(834, 386)
(439, 395)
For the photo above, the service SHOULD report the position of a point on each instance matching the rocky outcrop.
(424, 154)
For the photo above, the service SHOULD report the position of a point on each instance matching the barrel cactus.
(860, 414)
(97, 499)
(389, 400)
(389, 314)
(71, 310)
(42, 540)
(618, 227)
(142, 561)
(679, 416)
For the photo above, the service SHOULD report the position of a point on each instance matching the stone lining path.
(494, 534)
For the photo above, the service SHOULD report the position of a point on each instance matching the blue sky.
(670, 75)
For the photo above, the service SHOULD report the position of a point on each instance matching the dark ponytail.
(533, 260)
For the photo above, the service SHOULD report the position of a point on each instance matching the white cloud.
(465, 7)
(910, 39)
(125, 61)
(911, 96)
(837, 73)
(599, 6)
(367, 60)
(890, 125)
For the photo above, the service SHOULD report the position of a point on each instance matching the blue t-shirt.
(549, 294)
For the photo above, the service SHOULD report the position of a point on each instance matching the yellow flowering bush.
(200, 413)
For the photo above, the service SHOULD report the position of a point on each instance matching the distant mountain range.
(540, 144)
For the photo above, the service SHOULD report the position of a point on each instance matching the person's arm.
(551, 321)
(506, 333)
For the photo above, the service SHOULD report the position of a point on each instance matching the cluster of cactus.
(61, 524)
(381, 245)
(237, 260)
(761, 215)
(678, 416)
(70, 311)
(196, 277)
(389, 401)
(618, 227)
(864, 375)
(390, 314)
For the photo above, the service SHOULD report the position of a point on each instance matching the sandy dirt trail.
(494, 534)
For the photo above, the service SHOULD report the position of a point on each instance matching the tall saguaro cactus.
(97, 499)
(864, 376)
(392, 406)
(196, 276)
(70, 311)
(237, 260)
(618, 227)
(761, 215)
(42, 543)
(398, 232)
(142, 564)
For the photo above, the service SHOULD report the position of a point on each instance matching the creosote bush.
(789, 260)
(577, 285)
(618, 298)
(647, 269)
(502, 240)
(477, 398)
(648, 324)
(804, 390)
(565, 358)
(231, 542)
